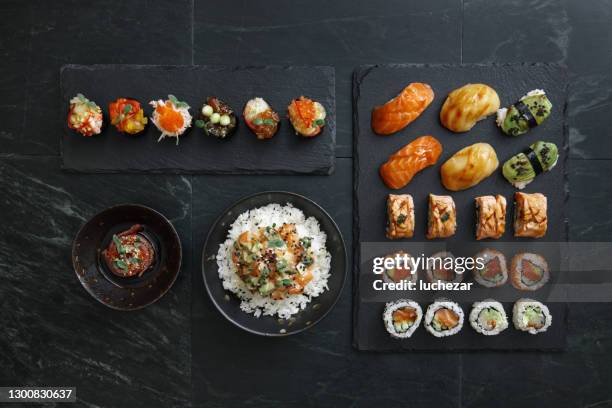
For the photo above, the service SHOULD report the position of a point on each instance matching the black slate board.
(242, 153)
(374, 85)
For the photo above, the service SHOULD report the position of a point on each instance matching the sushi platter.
(460, 161)
(198, 119)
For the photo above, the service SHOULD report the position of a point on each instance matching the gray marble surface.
(180, 351)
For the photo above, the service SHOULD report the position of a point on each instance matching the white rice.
(391, 307)
(477, 307)
(267, 216)
(518, 312)
(164, 133)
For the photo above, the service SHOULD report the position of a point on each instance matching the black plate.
(229, 305)
(134, 292)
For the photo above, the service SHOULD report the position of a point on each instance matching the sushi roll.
(402, 318)
(307, 116)
(400, 216)
(530, 111)
(84, 116)
(529, 271)
(488, 317)
(442, 217)
(494, 271)
(522, 168)
(171, 117)
(530, 219)
(490, 216)
(466, 106)
(531, 316)
(260, 118)
(444, 318)
(217, 118)
(127, 116)
(440, 269)
(405, 273)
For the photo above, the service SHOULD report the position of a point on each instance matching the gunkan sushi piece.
(494, 271)
(402, 110)
(530, 219)
(440, 268)
(260, 118)
(443, 318)
(307, 116)
(531, 316)
(466, 106)
(171, 117)
(490, 216)
(84, 116)
(403, 270)
(522, 168)
(530, 111)
(402, 318)
(400, 216)
(488, 317)
(127, 116)
(217, 118)
(528, 271)
(441, 217)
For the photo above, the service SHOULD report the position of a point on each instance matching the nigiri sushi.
(469, 166)
(400, 111)
(171, 117)
(260, 118)
(217, 118)
(401, 166)
(127, 116)
(522, 168)
(467, 105)
(307, 116)
(84, 116)
(530, 111)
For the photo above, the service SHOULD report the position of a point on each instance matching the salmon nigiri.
(400, 111)
(401, 166)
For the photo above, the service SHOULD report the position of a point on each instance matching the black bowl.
(229, 305)
(128, 293)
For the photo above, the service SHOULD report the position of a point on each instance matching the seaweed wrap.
(522, 168)
(530, 111)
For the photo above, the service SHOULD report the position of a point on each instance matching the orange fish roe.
(169, 119)
(305, 109)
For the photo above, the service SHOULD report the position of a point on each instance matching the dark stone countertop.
(180, 351)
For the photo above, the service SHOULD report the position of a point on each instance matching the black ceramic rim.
(214, 300)
(163, 292)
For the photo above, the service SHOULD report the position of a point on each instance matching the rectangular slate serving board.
(374, 85)
(242, 153)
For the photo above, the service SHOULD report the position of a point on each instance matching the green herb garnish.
(318, 122)
(177, 103)
(306, 241)
(136, 260)
(400, 219)
(121, 264)
(263, 121)
(445, 217)
(276, 243)
(286, 282)
(199, 123)
(118, 244)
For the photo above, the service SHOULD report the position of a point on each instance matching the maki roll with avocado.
(523, 168)
(494, 271)
(307, 116)
(260, 118)
(488, 317)
(127, 116)
(171, 117)
(528, 271)
(402, 318)
(530, 111)
(404, 270)
(444, 318)
(531, 316)
(84, 116)
(217, 118)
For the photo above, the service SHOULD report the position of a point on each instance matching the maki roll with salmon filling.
(528, 271)
(530, 111)
(488, 317)
(127, 116)
(307, 116)
(400, 216)
(490, 216)
(402, 271)
(523, 168)
(402, 318)
(84, 116)
(530, 219)
(444, 318)
(531, 316)
(217, 118)
(442, 217)
(440, 269)
(260, 118)
(495, 270)
(171, 117)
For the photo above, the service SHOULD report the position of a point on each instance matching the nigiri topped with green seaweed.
(522, 168)
(530, 111)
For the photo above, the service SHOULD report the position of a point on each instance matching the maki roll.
(490, 216)
(494, 271)
(307, 116)
(260, 118)
(466, 106)
(127, 116)
(521, 169)
(531, 316)
(442, 217)
(400, 216)
(440, 269)
(217, 118)
(444, 318)
(530, 219)
(171, 117)
(406, 273)
(488, 317)
(529, 271)
(530, 111)
(84, 116)
(402, 318)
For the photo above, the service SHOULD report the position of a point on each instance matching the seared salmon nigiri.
(400, 111)
(401, 166)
